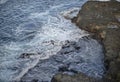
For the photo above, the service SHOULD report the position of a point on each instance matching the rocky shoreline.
(102, 20)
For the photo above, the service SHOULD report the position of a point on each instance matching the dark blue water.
(32, 26)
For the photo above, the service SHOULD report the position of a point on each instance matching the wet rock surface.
(101, 19)
(73, 78)
(26, 55)
(80, 77)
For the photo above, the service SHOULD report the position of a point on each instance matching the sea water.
(40, 27)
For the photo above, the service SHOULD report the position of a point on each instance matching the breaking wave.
(39, 28)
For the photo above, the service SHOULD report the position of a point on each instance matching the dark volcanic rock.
(102, 20)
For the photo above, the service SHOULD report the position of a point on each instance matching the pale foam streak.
(36, 33)
(57, 29)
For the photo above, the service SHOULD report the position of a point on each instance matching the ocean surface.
(37, 39)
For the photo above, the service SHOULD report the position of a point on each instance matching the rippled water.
(39, 27)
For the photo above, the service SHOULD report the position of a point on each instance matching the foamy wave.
(3, 1)
(70, 13)
(57, 30)
(42, 32)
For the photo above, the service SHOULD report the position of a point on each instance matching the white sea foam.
(3, 1)
(41, 33)
(70, 13)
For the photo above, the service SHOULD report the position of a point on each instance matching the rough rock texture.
(102, 20)
(76, 78)
(73, 78)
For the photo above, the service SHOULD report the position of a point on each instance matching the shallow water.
(74, 57)
(39, 27)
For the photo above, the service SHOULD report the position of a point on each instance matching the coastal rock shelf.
(102, 20)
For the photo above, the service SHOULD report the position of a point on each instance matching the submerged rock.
(26, 55)
(73, 58)
(102, 20)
